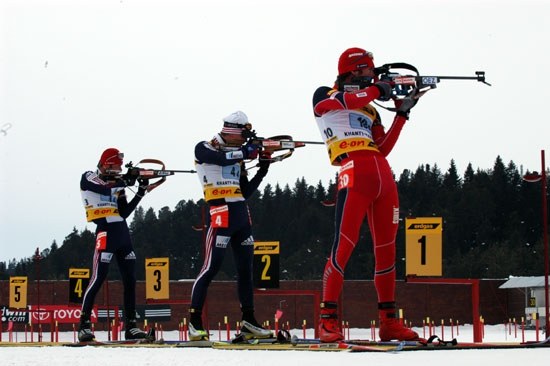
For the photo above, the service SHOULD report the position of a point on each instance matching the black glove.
(143, 184)
(128, 179)
(250, 150)
(385, 89)
(404, 106)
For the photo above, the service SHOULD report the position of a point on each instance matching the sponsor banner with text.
(59, 313)
(19, 316)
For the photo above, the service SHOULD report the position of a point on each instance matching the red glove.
(265, 160)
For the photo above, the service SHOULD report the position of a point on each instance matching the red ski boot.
(329, 329)
(392, 329)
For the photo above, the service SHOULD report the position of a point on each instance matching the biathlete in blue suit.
(105, 202)
(222, 173)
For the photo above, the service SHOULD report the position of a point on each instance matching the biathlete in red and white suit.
(221, 171)
(358, 144)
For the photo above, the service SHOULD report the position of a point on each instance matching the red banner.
(59, 313)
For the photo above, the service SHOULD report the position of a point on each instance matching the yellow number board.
(266, 264)
(18, 292)
(79, 278)
(424, 254)
(157, 278)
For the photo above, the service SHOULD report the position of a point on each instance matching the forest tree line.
(492, 228)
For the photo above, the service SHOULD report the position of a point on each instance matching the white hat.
(234, 123)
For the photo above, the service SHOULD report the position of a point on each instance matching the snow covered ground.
(87, 356)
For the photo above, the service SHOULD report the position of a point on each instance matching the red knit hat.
(354, 59)
(111, 156)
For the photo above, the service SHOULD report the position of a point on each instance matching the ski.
(122, 343)
(433, 343)
(203, 343)
(303, 344)
(150, 339)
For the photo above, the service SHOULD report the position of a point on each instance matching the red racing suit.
(358, 144)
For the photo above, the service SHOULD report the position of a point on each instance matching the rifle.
(279, 143)
(405, 84)
(135, 173)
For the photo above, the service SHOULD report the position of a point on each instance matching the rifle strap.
(396, 65)
(154, 185)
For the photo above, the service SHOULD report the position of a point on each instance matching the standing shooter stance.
(356, 141)
(105, 202)
(221, 171)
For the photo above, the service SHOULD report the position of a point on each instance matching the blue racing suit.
(226, 188)
(107, 207)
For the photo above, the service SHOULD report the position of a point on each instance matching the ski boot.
(133, 332)
(251, 328)
(329, 328)
(196, 330)
(390, 326)
(85, 333)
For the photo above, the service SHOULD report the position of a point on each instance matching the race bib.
(231, 171)
(101, 241)
(219, 216)
(345, 176)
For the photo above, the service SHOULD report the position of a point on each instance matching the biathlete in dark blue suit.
(105, 202)
(226, 187)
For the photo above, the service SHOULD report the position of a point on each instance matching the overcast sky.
(155, 77)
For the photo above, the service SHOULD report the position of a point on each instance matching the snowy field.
(88, 356)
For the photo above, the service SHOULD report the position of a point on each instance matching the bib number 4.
(219, 216)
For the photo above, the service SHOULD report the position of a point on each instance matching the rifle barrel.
(182, 171)
(311, 142)
(480, 76)
(459, 77)
(260, 139)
